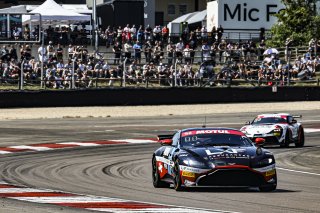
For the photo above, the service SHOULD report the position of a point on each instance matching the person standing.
(117, 52)
(220, 33)
(127, 48)
(137, 52)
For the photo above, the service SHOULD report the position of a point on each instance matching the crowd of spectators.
(150, 55)
(63, 34)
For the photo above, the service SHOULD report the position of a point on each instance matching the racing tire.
(177, 178)
(300, 141)
(286, 141)
(157, 183)
(269, 187)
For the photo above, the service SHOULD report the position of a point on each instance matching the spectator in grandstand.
(59, 52)
(261, 48)
(165, 34)
(157, 52)
(137, 52)
(205, 51)
(127, 48)
(133, 32)
(157, 33)
(26, 32)
(213, 50)
(109, 35)
(148, 51)
(179, 49)
(204, 34)
(220, 33)
(170, 52)
(222, 48)
(140, 34)
(117, 48)
(119, 35)
(187, 54)
(148, 33)
(213, 34)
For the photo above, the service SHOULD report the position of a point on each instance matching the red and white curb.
(52, 146)
(95, 203)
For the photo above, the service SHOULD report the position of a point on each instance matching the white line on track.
(30, 147)
(79, 144)
(297, 171)
(310, 130)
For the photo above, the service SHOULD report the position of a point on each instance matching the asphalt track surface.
(124, 171)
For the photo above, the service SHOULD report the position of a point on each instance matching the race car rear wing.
(163, 137)
(297, 116)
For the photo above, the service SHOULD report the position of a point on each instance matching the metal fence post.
(21, 76)
(124, 72)
(72, 75)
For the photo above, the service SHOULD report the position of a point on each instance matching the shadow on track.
(234, 190)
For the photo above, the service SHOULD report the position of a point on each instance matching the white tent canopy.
(51, 12)
(191, 18)
(14, 9)
(184, 18)
(198, 17)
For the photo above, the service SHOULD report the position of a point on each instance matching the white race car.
(278, 128)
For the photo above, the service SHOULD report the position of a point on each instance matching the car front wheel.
(269, 187)
(286, 141)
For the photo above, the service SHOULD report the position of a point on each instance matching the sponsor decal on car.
(188, 174)
(164, 160)
(191, 169)
(271, 172)
(229, 155)
(211, 131)
(266, 169)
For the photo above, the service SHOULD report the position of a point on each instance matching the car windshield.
(272, 120)
(215, 140)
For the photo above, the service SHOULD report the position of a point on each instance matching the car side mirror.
(165, 142)
(248, 123)
(259, 141)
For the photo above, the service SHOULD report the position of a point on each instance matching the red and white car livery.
(277, 129)
(204, 157)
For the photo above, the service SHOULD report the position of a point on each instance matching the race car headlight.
(194, 163)
(264, 162)
(244, 130)
(277, 131)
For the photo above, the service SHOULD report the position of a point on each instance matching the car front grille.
(231, 177)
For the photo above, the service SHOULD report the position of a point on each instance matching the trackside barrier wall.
(143, 96)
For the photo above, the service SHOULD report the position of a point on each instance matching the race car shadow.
(290, 147)
(234, 190)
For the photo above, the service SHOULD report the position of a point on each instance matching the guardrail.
(100, 83)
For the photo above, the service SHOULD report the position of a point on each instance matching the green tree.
(298, 21)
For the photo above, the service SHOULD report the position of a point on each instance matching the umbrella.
(271, 51)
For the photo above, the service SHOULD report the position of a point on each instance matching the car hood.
(259, 128)
(224, 155)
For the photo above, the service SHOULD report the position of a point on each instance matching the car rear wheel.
(177, 178)
(157, 183)
(300, 141)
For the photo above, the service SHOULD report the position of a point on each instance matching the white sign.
(243, 14)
